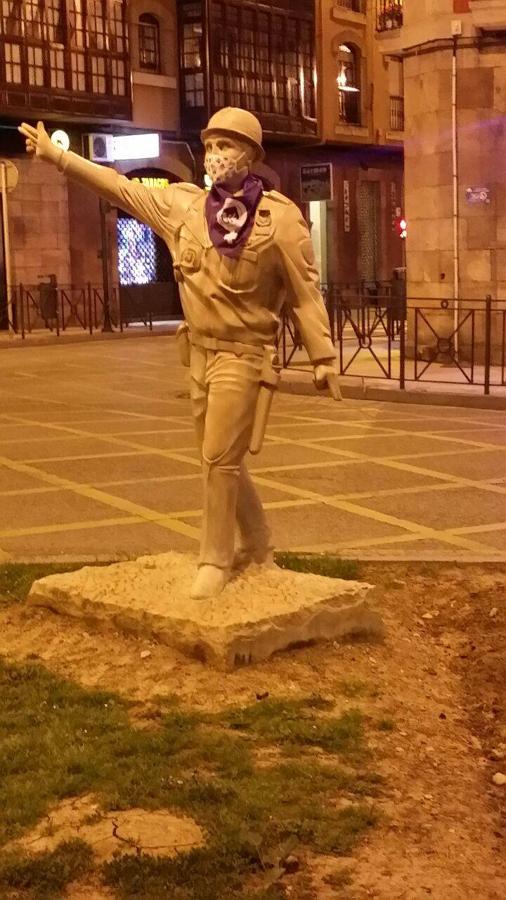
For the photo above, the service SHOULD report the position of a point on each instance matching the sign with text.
(346, 206)
(316, 182)
(152, 181)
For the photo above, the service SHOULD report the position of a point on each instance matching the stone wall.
(39, 224)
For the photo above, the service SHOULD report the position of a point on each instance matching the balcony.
(488, 15)
(48, 64)
(388, 15)
(354, 6)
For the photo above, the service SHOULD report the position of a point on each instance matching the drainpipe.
(6, 244)
(455, 179)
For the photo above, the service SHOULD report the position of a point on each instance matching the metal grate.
(396, 113)
(368, 203)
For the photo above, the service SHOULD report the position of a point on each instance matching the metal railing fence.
(380, 335)
(376, 332)
(58, 308)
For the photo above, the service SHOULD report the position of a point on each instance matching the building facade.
(330, 105)
(96, 71)
(313, 75)
(454, 57)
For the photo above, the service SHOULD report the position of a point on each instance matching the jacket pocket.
(241, 273)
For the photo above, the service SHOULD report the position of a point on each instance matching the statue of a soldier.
(239, 254)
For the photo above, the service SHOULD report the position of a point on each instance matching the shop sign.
(136, 146)
(478, 195)
(152, 181)
(316, 182)
(346, 206)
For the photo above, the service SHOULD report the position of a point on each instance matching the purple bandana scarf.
(229, 218)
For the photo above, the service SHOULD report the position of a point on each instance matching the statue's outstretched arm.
(151, 206)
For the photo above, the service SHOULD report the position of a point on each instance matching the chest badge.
(189, 256)
(264, 218)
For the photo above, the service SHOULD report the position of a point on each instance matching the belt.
(210, 343)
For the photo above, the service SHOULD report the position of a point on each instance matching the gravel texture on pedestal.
(262, 610)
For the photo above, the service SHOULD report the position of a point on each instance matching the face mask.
(221, 167)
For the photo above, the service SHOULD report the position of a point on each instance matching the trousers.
(223, 390)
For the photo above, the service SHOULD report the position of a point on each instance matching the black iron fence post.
(107, 321)
(488, 341)
(22, 311)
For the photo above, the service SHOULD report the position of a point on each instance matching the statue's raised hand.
(39, 143)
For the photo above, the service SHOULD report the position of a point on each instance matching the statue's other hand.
(38, 142)
(325, 376)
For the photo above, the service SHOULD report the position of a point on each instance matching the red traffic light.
(401, 227)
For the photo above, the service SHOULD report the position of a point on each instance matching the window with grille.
(149, 42)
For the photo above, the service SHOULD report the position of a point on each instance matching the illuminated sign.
(136, 146)
(152, 182)
(60, 139)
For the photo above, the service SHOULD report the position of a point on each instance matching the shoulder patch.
(279, 198)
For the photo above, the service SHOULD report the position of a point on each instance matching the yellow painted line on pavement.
(106, 499)
(122, 442)
(69, 526)
(397, 464)
(492, 526)
(374, 515)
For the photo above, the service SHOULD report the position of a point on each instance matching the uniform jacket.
(228, 299)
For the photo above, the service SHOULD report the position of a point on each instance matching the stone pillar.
(481, 150)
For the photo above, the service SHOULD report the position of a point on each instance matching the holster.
(269, 380)
(183, 343)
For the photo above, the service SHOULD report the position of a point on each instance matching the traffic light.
(401, 227)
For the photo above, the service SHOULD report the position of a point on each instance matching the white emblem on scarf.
(232, 217)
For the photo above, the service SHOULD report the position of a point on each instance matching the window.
(348, 84)
(149, 42)
(72, 46)
(192, 55)
(263, 60)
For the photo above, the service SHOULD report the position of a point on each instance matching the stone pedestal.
(261, 611)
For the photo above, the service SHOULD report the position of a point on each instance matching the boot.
(260, 555)
(209, 582)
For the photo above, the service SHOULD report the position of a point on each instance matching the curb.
(303, 386)
(81, 337)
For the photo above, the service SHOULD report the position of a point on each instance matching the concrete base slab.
(261, 611)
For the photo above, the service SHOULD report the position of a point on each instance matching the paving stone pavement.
(98, 461)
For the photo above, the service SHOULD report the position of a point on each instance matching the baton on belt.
(269, 380)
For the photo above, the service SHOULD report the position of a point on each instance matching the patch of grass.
(58, 740)
(294, 722)
(204, 874)
(16, 579)
(339, 879)
(385, 725)
(352, 688)
(46, 875)
(319, 564)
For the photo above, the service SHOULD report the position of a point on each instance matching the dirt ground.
(440, 675)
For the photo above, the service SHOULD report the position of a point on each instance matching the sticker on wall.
(478, 195)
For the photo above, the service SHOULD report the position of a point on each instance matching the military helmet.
(238, 122)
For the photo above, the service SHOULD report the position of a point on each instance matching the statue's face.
(227, 160)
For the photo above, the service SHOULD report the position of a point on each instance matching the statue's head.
(233, 143)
